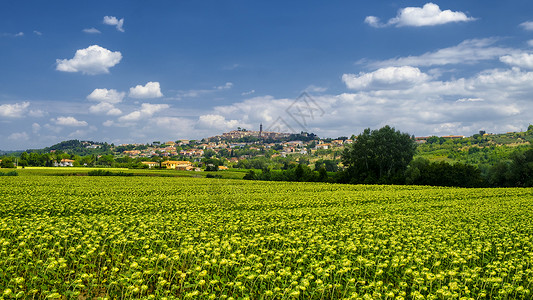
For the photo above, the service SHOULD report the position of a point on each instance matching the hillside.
(480, 149)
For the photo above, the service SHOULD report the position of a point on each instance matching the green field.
(84, 237)
(83, 171)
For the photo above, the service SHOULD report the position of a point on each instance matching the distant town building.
(150, 164)
(176, 165)
(64, 163)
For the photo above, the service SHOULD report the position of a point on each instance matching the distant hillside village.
(248, 149)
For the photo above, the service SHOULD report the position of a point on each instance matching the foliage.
(7, 163)
(140, 237)
(328, 164)
(298, 172)
(423, 172)
(378, 155)
(107, 173)
(518, 171)
(11, 173)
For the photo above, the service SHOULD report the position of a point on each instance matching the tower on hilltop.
(260, 129)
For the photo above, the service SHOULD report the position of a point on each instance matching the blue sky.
(137, 71)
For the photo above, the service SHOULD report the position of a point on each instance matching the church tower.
(261, 130)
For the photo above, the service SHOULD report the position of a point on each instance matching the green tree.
(7, 162)
(378, 156)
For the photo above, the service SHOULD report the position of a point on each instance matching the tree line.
(385, 156)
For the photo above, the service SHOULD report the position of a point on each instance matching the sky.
(137, 71)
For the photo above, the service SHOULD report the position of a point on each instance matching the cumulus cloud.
(113, 21)
(105, 108)
(216, 121)
(147, 110)
(69, 121)
(468, 51)
(386, 78)
(91, 30)
(105, 95)
(16, 110)
(522, 60)
(18, 136)
(107, 99)
(37, 33)
(150, 90)
(493, 100)
(527, 25)
(91, 60)
(428, 15)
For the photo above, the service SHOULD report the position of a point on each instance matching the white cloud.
(226, 86)
(16, 110)
(37, 33)
(36, 113)
(428, 15)
(523, 60)
(105, 95)
(530, 43)
(386, 78)
(19, 34)
(494, 100)
(69, 121)
(316, 89)
(469, 100)
(105, 108)
(82, 133)
(113, 21)
(147, 110)
(174, 123)
(374, 22)
(107, 99)
(216, 121)
(91, 60)
(467, 52)
(150, 90)
(108, 123)
(247, 93)
(91, 30)
(18, 136)
(527, 25)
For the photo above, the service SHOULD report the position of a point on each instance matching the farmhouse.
(64, 163)
(177, 165)
(150, 164)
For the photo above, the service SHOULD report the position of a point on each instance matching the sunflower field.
(195, 238)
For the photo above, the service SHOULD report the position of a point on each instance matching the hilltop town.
(249, 149)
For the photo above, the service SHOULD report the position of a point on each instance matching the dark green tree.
(7, 162)
(378, 156)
